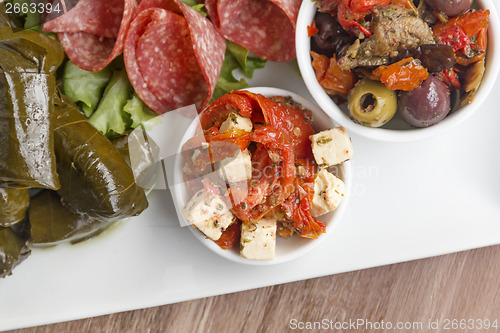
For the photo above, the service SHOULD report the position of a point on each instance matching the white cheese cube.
(235, 121)
(258, 239)
(236, 169)
(328, 193)
(331, 147)
(209, 213)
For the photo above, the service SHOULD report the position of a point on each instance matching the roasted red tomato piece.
(230, 237)
(215, 114)
(273, 176)
(351, 13)
(467, 34)
(331, 77)
(238, 137)
(297, 207)
(282, 113)
(406, 74)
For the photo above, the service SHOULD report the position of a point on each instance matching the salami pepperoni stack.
(92, 33)
(173, 54)
(265, 27)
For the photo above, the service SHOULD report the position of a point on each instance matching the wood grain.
(464, 285)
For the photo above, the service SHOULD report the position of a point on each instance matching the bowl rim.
(180, 200)
(302, 44)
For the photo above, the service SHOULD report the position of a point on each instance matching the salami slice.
(92, 33)
(173, 55)
(265, 27)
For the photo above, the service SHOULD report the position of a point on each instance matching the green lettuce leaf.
(247, 64)
(31, 15)
(109, 118)
(138, 112)
(196, 6)
(83, 87)
(236, 58)
(227, 81)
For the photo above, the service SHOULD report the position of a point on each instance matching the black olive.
(331, 37)
(435, 58)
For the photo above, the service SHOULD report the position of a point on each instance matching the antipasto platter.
(406, 201)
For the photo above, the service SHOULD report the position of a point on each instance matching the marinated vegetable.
(372, 104)
(408, 49)
(395, 29)
(13, 206)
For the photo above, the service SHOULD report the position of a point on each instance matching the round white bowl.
(396, 130)
(286, 249)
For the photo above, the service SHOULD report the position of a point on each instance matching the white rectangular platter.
(409, 201)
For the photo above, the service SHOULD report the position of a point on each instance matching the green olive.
(371, 103)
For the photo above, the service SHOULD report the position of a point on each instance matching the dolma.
(28, 61)
(41, 50)
(13, 206)
(51, 222)
(9, 20)
(95, 178)
(4, 17)
(121, 145)
(13, 250)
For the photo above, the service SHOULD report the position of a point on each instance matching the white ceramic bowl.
(286, 249)
(396, 130)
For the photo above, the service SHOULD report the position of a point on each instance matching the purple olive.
(450, 7)
(425, 105)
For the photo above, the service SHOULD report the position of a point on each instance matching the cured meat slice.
(265, 27)
(173, 55)
(92, 33)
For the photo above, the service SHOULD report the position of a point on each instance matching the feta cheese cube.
(331, 147)
(328, 193)
(258, 239)
(209, 213)
(235, 121)
(236, 169)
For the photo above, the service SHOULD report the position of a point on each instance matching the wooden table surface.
(463, 286)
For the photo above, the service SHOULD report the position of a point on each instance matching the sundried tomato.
(297, 207)
(230, 237)
(217, 112)
(274, 182)
(238, 137)
(331, 77)
(406, 74)
(312, 29)
(291, 119)
(467, 34)
(450, 77)
(351, 12)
